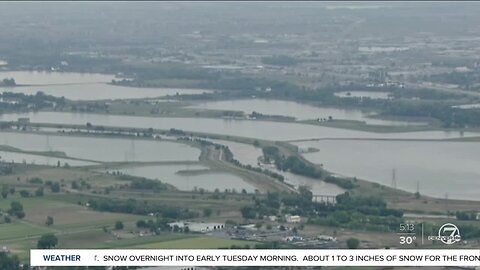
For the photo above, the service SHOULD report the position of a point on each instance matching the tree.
(4, 191)
(118, 225)
(9, 263)
(141, 224)
(207, 212)
(248, 212)
(55, 187)
(24, 193)
(39, 192)
(9, 82)
(353, 243)
(49, 221)
(16, 209)
(47, 241)
(75, 185)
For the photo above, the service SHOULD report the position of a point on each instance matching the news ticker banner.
(259, 257)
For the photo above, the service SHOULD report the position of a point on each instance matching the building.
(303, 149)
(197, 226)
(293, 219)
(23, 120)
(326, 238)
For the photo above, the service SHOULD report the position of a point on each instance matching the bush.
(118, 225)
(47, 241)
(353, 243)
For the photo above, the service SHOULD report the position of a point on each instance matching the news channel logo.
(448, 234)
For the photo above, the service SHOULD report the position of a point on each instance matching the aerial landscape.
(237, 125)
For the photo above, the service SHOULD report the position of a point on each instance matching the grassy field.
(66, 215)
(195, 243)
(20, 230)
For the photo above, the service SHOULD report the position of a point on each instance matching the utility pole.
(394, 180)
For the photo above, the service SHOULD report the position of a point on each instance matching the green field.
(20, 230)
(195, 243)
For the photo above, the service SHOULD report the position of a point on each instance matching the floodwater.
(49, 78)
(438, 168)
(102, 149)
(244, 128)
(102, 91)
(249, 154)
(298, 110)
(468, 106)
(363, 94)
(40, 160)
(188, 182)
(317, 187)
(84, 86)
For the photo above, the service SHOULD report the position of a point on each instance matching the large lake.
(298, 110)
(245, 128)
(438, 167)
(102, 149)
(80, 86)
(188, 182)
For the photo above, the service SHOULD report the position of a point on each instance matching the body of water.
(179, 176)
(49, 78)
(437, 167)
(84, 86)
(298, 110)
(249, 154)
(468, 106)
(102, 91)
(40, 160)
(363, 94)
(244, 128)
(102, 149)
